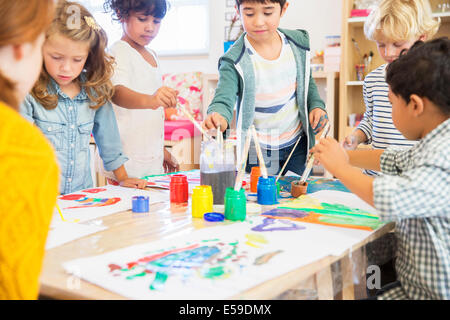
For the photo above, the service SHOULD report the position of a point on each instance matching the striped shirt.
(277, 119)
(414, 191)
(377, 123)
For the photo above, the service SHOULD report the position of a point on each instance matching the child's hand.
(330, 154)
(165, 97)
(213, 121)
(350, 142)
(318, 119)
(170, 163)
(133, 183)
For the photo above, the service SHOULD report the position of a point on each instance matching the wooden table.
(126, 229)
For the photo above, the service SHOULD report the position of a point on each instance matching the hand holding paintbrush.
(310, 162)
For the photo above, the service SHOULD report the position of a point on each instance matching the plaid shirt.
(415, 193)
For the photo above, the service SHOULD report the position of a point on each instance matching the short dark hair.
(281, 2)
(425, 71)
(123, 8)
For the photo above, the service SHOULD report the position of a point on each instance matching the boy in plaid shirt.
(415, 188)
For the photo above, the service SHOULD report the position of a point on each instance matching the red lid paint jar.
(179, 189)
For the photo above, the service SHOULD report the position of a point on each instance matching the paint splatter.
(312, 211)
(95, 202)
(214, 272)
(71, 197)
(266, 257)
(255, 240)
(95, 190)
(286, 213)
(159, 281)
(270, 224)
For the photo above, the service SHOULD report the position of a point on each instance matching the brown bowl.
(298, 188)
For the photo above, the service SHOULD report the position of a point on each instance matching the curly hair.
(21, 21)
(99, 66)
(425, 71)
(123, 8)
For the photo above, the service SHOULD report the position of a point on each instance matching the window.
(184, 30)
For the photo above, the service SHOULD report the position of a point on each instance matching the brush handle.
(262, 164)
(194, 122)
(310, 162)
(287, 161)
(240, 175)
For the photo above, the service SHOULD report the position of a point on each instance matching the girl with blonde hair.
(72, 98)
(395, 25)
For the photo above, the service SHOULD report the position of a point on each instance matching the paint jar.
(202, 201)
(217, 168)
(298, 188)
(267, 191)
(360, 71)
(235, 205)
(254, 176)
(140, 204)
(179, 189)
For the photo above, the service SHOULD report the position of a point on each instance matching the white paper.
(74, 210)
(293, 248)
(66, 232)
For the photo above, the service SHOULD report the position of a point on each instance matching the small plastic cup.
(235, 205)
(202, 201)
(267, 191)
(254, 176)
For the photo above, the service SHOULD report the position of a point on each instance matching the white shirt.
(141, 130)
(277, 119)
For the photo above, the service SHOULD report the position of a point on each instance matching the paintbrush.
(370, 60)
(358, 50)
(240, 175)
(287, 161)
(262, 164)
(195, 123)
(310, 163)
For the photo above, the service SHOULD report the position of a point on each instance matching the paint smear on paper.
(266, 257)
(273, 224)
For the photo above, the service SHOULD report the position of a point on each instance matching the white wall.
(318, 17)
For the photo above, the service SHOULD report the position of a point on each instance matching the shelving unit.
(350, 92)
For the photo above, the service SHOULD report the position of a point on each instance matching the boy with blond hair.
(395, 25)
(414, 190)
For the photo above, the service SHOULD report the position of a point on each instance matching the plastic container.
(267, 191)
(333, 41)
(179, 189)
(298, 188)
(235, 205)
(140, 204)
(217, 168)
(254, 176)
(202, 201)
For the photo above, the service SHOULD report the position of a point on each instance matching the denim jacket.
(68, 127)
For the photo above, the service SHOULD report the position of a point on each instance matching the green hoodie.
(236, 85)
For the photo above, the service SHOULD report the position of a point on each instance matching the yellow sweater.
(28, 191)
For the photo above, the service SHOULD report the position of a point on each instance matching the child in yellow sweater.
(28, 170)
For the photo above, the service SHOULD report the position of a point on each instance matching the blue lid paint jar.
(267, 191)
(140, 204)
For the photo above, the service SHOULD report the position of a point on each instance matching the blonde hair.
(99, 65)
(21, 21)
(400, 20)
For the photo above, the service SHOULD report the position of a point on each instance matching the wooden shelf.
(355, 83)
(359, 21)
